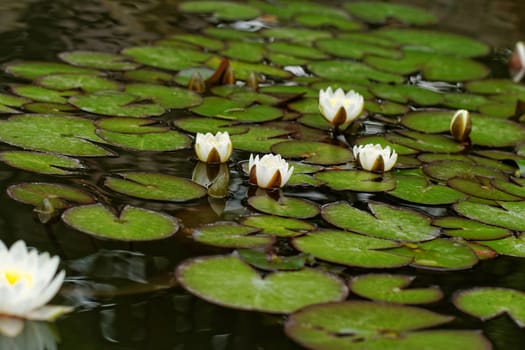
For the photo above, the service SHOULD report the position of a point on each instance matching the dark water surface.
(117, 308)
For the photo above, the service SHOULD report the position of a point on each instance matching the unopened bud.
(517, 62)
(228, 78)
(461, 125)
(253, 81)
(196, 83)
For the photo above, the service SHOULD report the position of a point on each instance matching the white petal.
(48, 312)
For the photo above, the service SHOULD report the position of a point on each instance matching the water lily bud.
(213, 148)
(270, 171)
(461, 125)
(374, 157)
(253, 81)
(196, 83)
(340, 108)
(229, 77)
(517, 62)
(28, 281)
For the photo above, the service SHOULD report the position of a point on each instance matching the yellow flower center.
(345, 101)
(14, 276)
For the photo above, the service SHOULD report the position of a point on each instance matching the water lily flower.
(340, 108)
(270, 171)
(374, 157)
(213, 148)
(461, 125)
(517, 62)
(28, 281)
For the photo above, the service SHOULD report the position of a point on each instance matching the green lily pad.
(464, 101)
(508, 214)
(167, 97)
(515, 187)
(155, 186)
(116, 104)
(259, 139)
(60, 196)
(199, 40)
(303, 180)
(227, 281)
(305, 105)
(155, 142)
(350, 70)
(243, 70)
(49, 108)
(489, 302)
(345, 48)
(424, 142)
(131, 224)
(391, 288)
(313, 152)
(436, 41)
(350, 249)
(13, 101)
(270, 262)
(481, 189)
(244, 51)
(231, 235)
(86, 82)
(495, 87)
(381, 140)
(204, 125)
(224, 10)
(38, 93)
(278, 226)
(42, 163)
(419, 190)
(406, 93)
(170, 58)
(57, 134)
(356, 180)
(284, 206)
(227, 33)
(380, 12)
(386, 108)
(292, 8)
(432, 65)
(130, 125)
(447, 169)
(97, 60)
(301, 35)
(33, 70)
(384, 221)
(441, 254)
(468, 229)
(147, 75)
(511, 246)
(354, 325)
(316, 20)
(295, 50)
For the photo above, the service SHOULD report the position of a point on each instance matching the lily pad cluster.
(257, 76)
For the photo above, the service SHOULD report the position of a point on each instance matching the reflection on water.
(125, 291)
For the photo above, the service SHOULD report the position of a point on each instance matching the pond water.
(126, 293)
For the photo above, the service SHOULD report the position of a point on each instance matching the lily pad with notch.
(383, 221)
(349, 71)
(131, 224)
(198, 40)
(268, 261)
(41, 94)
(170, 140)
(278, 226)
(357, 180)
(516, 186)
(295, 50)
(42, 163)
(353, 325)
(227, 281)
(406, 93)
(244, 51)
(294, 34)
(166, 96)
(424, 142)
(260, 138)
(285, 206)
(508, 214)
(439, 254)
(98, 60)
(243, 70)
(231, 235)
(116, 104)
(469, 229)
(481, 188)
(510, 246)
(313, 152)
(447, 169)
(155, 186)
(32, 70)
(347, 48)
(61, 196)
(130, 125)
(418, 189)
(85, 82)
(66, 135)
(148, 75)
(393, 289)
(350, 249)
(165, 57)
(488, 302)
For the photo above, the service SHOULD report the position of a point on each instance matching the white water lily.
(517, 62)
(340, 108)
(461, 125)
(270, 171)
(213, 148)
(28, 281)
(374, 157)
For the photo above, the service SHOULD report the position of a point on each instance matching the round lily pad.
(447, 169)
(86, 82)
(508, 214)
(381, 140)
(131, 224)
(58, 134)
(155, 186)
(489, 302)
(424, 142)
(380, 12)
(284, 206)
(244, 51)
(278, 226)
(392, 289)
(243, 70)
(198, 40)
(357, 180)
(296, 34)
(316, 20)
(406, 93)
(384, 221)
(515, 187)
(259, 139)
(350, 70)
(98, 60)
(350, 249)
(313, 152)
(49, 108)
(42, 163)
(155, 142)
(171, 58)
(511, 246)
(481, 189)
(469, 229)
(355, 49)
(231, 235)
(271, 262)
(117, 104)
(224, 10)
(147, 75)
(130, 125)
(166, 96)
(41, 94)
(418, 189)
(204, 125)
(227, 281)
(32, 70)
(60, 196)
(354, 325)
(442, 254)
